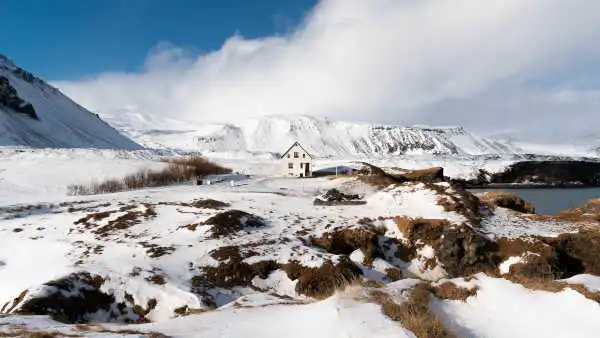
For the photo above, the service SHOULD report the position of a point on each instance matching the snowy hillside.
(256, 258)
(33, 113)
(322, 137)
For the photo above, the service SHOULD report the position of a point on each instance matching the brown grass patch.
(451, 291)
(413, 313)
(102, 329)
(15, 302)
(209, 204)
(156, 279)
(435, 174)
(178, 170)
(394, 274)
(322, 282)
(26, 333)
(506, 200)
(232, 221)
(461, 201)
(187, 311)
(459, 248)
(344, 241)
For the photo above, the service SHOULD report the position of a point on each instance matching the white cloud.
(377, 60)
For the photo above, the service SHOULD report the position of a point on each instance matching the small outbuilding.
(296, 161)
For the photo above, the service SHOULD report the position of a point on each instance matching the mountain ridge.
(320, 136)
(35, 114)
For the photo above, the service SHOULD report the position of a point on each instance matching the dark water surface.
(551, 201)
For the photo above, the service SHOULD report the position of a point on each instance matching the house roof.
(301, 147)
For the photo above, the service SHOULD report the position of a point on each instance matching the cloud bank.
(489, 65)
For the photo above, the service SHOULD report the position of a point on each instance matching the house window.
(303, 155)
(301, 165)
(290, 165)
(296, 155)
(289, 156)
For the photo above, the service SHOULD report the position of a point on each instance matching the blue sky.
(71, 39)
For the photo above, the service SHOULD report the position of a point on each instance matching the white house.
(297, 162)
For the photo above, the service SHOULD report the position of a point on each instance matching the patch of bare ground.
(209, 204)
(178, 170)
(451, 291)
(125, 332)
(461, 250)
(130, 218)
(461, 201)
(15, 302)
(155, 250)
(506, 200)
(343, 241)
(187, 311)
(394, 274)
(589, 212)
(72, 299)
(232, 221)
(375, 176)
(30, 333)
(322, 282)
(413, 313)
(430, 175)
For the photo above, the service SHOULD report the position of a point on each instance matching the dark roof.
(299, 145)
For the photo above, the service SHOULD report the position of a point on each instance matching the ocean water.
(551, 201)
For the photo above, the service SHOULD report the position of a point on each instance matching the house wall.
(298, 163)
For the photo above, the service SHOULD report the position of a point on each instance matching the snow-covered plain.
(46, 235)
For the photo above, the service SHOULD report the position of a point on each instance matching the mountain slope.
(321, 137)
(33, 113)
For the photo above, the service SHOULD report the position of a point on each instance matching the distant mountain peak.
(320, 136)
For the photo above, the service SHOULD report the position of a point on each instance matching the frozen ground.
(153, 249)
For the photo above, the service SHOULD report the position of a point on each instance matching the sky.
(528, 70)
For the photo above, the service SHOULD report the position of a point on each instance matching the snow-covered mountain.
(322, 137)
(33, 113)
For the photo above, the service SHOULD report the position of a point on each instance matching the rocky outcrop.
(551, 173)
(11, 100)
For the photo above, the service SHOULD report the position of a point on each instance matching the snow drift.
(33, 113)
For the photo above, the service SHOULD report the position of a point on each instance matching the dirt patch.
(508, 201)
(413, 313)
(232, 221)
